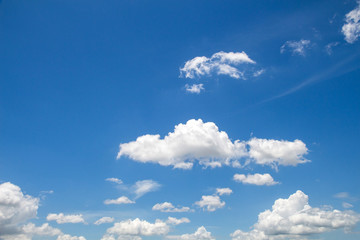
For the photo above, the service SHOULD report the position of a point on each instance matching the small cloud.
(104, 220)
(195, 88)
(259, 72)
(351, 29)
(347, 205)
(114, 180)
(223, 191)
(62, 218)
(296, 47)
(120, 200)
(255, 179)
(169, 207)
(175, 221)
(342, 195)
(140, 188)
(210, 203)
(329, 47)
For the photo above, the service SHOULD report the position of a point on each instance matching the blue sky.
(191, 120)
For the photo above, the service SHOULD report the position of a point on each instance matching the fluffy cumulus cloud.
(195, 88)
(104, 220)
(294, 217)
(296, 47)
(177, 221)
(15, 210)
(223, 191)
(62, 218)
(120, 200)
(221, 63)
(210, 203)
(351, 29)
(134, 229)
(200, 234)
(275, 152)
(203, 142)
(169, 207)
(255, 179)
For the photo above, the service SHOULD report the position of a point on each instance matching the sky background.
(78, 78)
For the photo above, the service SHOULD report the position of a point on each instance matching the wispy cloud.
(195, 88)
(296, 47)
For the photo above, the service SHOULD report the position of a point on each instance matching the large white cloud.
(296, 47)
(256, 179)
(62, 218)
(169, 207)
(351, 29)
(210, 203)
(221, 63)
(120, 200)
(200, 234)
(294, 217)
(15, 210)
(203, 142)
(134, 229)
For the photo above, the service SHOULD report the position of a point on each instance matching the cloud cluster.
(134, 229)
(220, 63)
(169, 207)
(203, 142)
(200, 234)
(255, 179)
(351, 29)
(211, 203)
(294, 217)
(62, 218)
(296, 47)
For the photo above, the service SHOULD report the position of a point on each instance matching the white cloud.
(142, 187)
(203, 142)
(294, 217)
(296, 47)
(223, 191)
(256, 179)
(220, 63)
(169, 207)
(210, 203)
(342, 195)
(69, 237)
(43, 230)
(134, 229)
(114, 180)
(120, 200)
(176, 221)
(347, 205)
(104, 220)
(195, 88)
(61, 218)
(259, 72)
(329, 47)
(351, 29)
(200, 234)
(275, 152)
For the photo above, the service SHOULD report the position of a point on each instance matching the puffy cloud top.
(200, 234)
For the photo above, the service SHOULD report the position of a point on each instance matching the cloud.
(44, 230)
(200, 234)
(256, 179)
(294, 217)
(120, 200)
(142, 187)
(210, 203)
(329, 47)
(169, 207)
(259, 72)
(342, 195)
(275, 152)
(221, 63)
(104, 220)
(223, 191)
(61, 218)
(134, 229)
(195, 88)
(351, 29)
(114, 180)
(69, 237)
(203, 142)
(296, 47)
(176, 221)
(347, 205)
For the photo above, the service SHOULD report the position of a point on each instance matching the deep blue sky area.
(79, 78)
